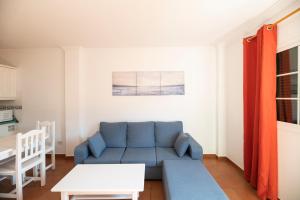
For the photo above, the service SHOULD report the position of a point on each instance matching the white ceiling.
(121, 23)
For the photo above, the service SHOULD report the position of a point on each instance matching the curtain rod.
(278, 21)
(287, 16)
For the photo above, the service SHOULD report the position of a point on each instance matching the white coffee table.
(102, 181)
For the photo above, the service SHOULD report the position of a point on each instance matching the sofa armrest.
(81, 153)
(195, 149)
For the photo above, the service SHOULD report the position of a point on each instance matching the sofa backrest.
(114, 134)
(140, 134)
(167, 132)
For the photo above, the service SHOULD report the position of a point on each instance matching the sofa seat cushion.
(167, 132)
(114, 134)
(168, 154)
(140, 155)
(189, 179)
(140, 134)
(108, 156)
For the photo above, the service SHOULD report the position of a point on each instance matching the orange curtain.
(260, 122)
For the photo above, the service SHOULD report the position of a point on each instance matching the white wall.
(40, 85)
(196, 108)
(288, 135)
(234, 102)
(221, 101)
(43, 75)
(73, 59)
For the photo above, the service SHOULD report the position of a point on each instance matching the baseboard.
(235, 165)
(60, 156)
(205, 156)
(224, 158)
(208, 156)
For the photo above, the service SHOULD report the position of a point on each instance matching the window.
(288, 89)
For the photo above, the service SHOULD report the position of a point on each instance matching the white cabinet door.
(7, 83)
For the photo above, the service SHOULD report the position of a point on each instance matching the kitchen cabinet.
(8, 81)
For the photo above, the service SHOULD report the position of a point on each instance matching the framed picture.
(146, 83)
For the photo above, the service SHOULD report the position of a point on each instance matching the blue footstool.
(190, 180)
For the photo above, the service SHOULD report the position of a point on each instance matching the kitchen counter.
(14, 121)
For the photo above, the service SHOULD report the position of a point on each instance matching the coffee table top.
(103, 178)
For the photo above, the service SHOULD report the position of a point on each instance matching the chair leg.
(19, 187)
(13, 180)
(23, 177)
(53, 160)
(43, 173)
(35, 171)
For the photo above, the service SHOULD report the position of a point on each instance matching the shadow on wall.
(3, 61)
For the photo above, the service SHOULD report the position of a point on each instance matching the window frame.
(298, 84)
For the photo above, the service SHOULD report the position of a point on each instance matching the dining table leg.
(64, 196)
(135, 196)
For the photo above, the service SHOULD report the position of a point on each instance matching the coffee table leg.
(64, 196)
(135, 196)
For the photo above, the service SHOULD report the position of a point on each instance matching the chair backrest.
(30, 145)
(50, 130)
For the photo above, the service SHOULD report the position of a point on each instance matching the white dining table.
(7, 146)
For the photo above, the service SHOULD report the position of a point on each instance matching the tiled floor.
(228, 176)
(230, 179)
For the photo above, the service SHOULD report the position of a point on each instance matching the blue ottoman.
(189, 180)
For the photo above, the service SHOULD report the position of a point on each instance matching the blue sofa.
(139, 142)
(152, 143)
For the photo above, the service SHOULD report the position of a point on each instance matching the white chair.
(50, 140)
(30, 152)
(2, 162)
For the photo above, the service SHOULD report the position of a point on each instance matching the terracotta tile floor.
(228, 176)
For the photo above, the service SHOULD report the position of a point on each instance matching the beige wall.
(234, 102)
(40, 85)
(197, 108)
